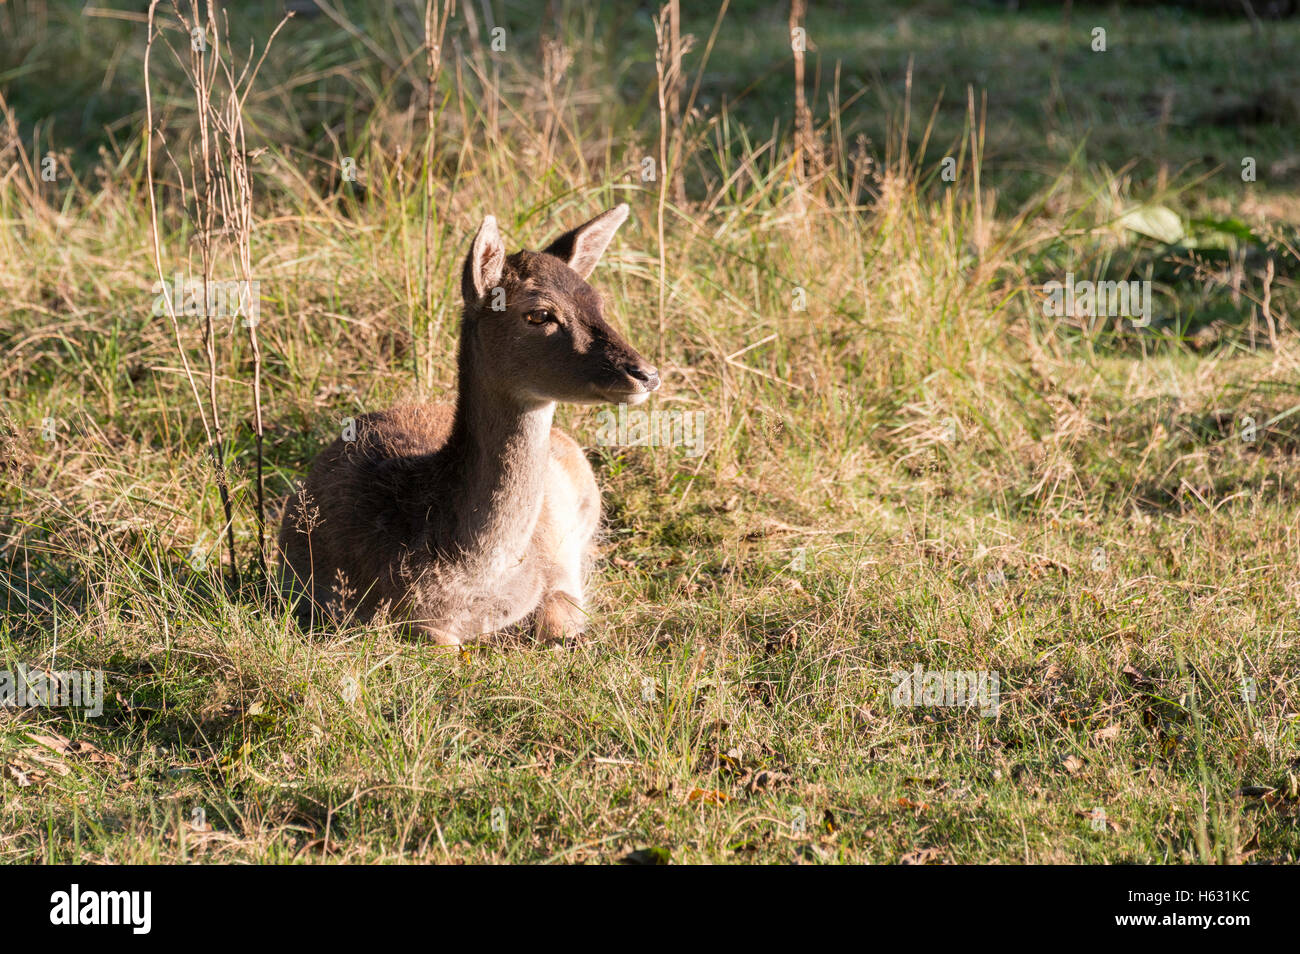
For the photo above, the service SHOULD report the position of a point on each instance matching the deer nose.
(646, 375)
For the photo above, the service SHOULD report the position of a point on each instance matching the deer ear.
(485, 263)
(582, 248)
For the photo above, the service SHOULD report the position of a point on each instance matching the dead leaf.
(56, 742)
(765, 780)
(862, 716)
(709, 796)
(1073, 763)
(201, 839)
(922, 856)
(1107, 733)
(84, 751)
(25, 778)
(1137, 677)
(53, 764)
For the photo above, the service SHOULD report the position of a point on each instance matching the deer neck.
(502, 447)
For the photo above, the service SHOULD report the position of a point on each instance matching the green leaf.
(1233, 227)
(1155, 222)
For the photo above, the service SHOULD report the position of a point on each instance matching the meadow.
(906, 460)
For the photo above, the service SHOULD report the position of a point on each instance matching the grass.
(916, 467)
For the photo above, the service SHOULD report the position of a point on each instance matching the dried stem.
(221, 182)
(802, 115)
(435, 29)
(212, 440)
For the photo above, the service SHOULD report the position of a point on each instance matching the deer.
(458, 521)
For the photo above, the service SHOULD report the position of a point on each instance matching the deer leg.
(559, 617)
(432, 627)
(439, 637)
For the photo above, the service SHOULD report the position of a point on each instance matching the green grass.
(918, 469)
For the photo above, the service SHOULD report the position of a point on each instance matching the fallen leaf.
(84, 750)
(53, 764)
(1072, 763)
(709, 796)
(64, 746)
(1154, 221)
(1107, 733)
(25, 779)
(922, 856)
(1137, 677)
(765, 780)
(56, 742)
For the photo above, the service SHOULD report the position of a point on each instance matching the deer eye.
(540, 317)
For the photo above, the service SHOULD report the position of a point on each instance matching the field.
(906, 461)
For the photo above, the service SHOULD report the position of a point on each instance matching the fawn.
(461, 521)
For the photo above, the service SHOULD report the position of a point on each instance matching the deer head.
(534, 330)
